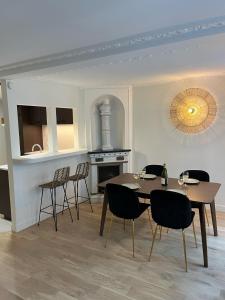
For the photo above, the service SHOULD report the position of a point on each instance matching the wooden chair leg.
(194, 232)
(109, 230)
(207, 218)
(150, 221)
(160, 232)
(133, 236)
(185, 252)
(153, 241)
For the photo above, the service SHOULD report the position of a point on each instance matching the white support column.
(105, 113)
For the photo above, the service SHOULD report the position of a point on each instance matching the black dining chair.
(201, 176)
(171, 210)
(154, 169)
(124, 204)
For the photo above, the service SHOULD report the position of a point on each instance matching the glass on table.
(136, 176)
(185, 175)
(181, 181)
(142, 174)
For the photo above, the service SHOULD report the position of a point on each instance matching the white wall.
(24, 179)
(3, 159)
(156, 141)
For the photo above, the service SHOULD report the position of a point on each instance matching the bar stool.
(82, 172)
(60, 179)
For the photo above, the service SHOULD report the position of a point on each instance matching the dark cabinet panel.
(32, 115)
(64, 115)
(37, 115)
(5, 208)
(30, 121)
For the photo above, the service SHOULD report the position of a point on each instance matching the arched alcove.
(117, 122)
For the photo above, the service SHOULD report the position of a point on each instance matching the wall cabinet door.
(64, 115)
(32, 115)
(37, 115)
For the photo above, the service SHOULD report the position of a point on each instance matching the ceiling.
(40, 39)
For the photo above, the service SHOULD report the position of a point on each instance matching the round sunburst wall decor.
(193, 110)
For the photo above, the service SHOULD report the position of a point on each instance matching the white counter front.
(42, 157)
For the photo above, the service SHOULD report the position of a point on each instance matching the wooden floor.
(39, 263)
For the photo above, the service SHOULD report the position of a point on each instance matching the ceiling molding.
(136, 42)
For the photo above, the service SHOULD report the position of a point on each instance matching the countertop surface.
(4, 167)
(41, 157)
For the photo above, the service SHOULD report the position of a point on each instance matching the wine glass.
(142, 174)
(136, 176)
(181, 181)
(185, 176)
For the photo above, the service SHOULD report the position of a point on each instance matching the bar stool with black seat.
(124, 204)
(201, 176)
(154, 169)
(171, 210)
(81, 173)
(60, 179)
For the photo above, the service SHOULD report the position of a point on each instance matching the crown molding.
(136, 42)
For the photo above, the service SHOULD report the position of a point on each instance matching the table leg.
(203, 233)
(104, 210)
(213, 214)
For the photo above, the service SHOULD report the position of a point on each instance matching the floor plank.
(73, 263)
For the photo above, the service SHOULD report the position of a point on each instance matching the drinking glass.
(185, 176)
(136, 176)
(142, 174)
(181, 181)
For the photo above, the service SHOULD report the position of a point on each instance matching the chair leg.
(185, 253)
(207, 218)
(89, 198)
(133, 236)
(150, 222)
(194, 232)
(109, 230)
(54, 209)
(66, 200)
(153, 241)
(52, 200)
(75, 198)
(39, 217)
(160, 232)
(167, 230)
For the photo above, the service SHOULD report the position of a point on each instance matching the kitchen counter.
(4, 167)
(42, 157)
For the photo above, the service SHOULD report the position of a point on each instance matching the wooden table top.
(204, 192)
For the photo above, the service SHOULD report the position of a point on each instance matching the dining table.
(199, 194)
